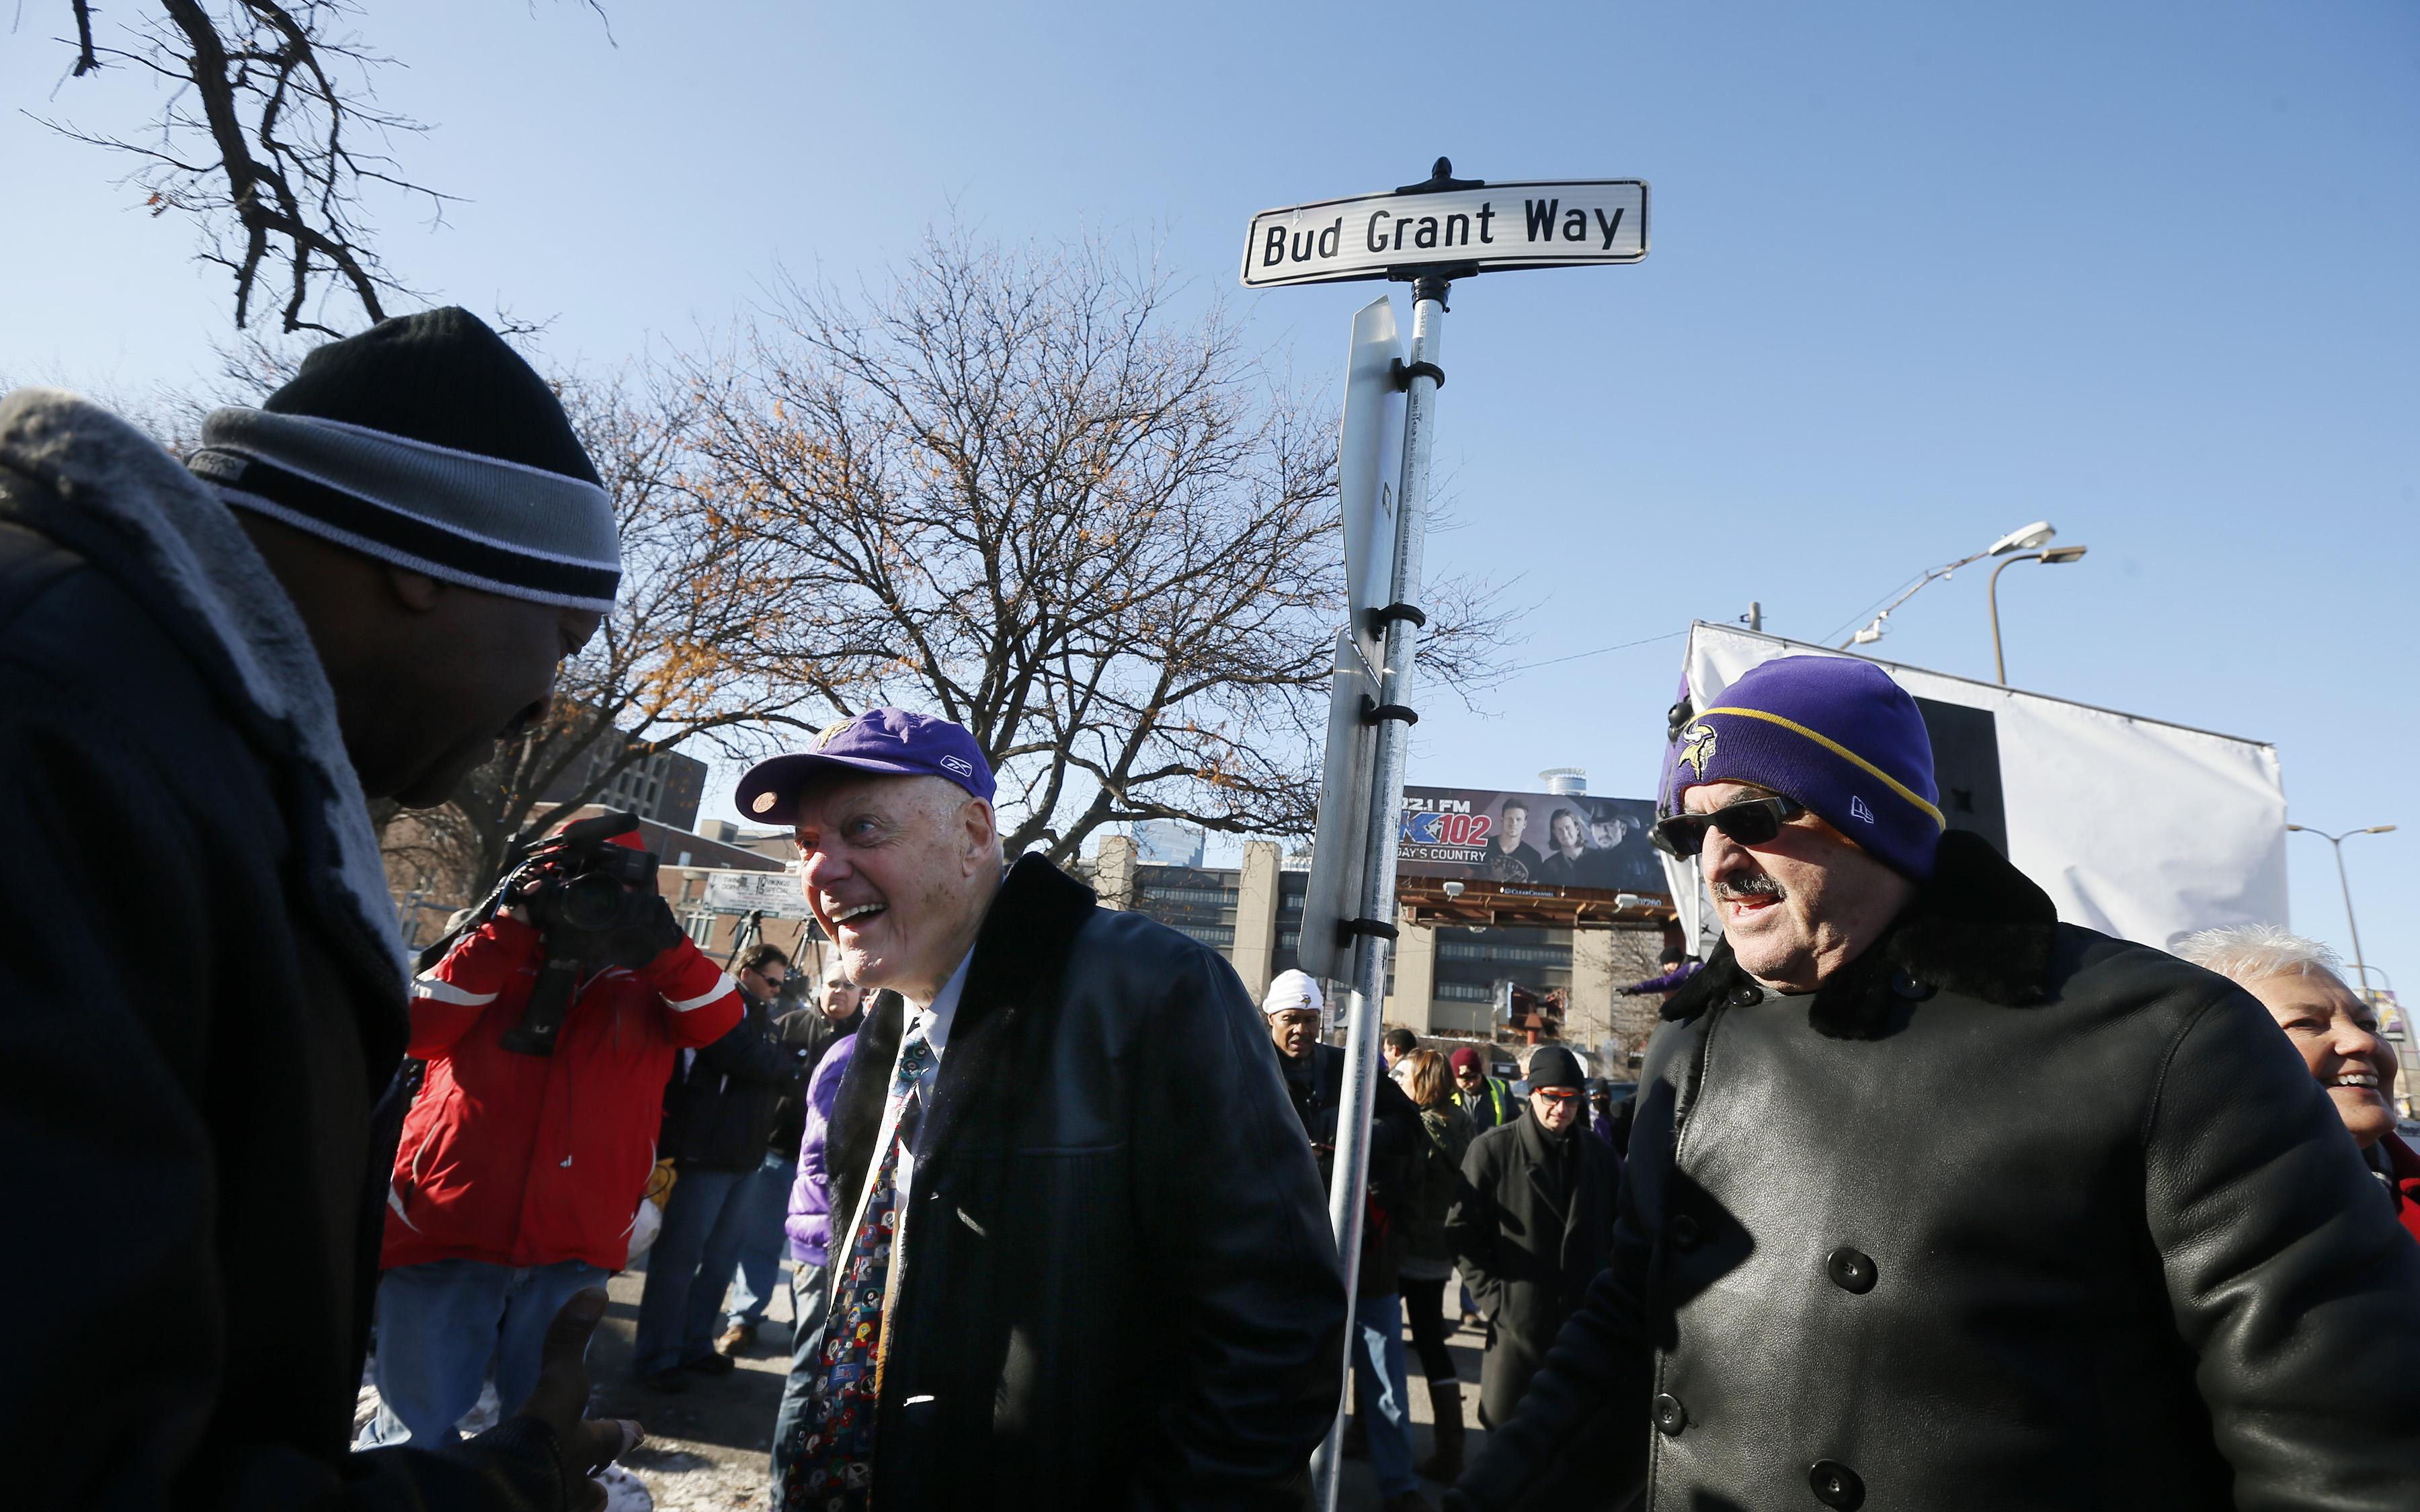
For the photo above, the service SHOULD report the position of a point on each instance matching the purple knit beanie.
(1838, 737)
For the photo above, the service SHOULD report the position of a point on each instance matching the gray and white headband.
(501, 527)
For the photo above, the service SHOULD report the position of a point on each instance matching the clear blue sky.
(1921, 273)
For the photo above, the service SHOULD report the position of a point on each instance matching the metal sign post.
(1374, 923)
(1426, 233)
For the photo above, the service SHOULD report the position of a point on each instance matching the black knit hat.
(1551, 1065)
(443, 377)
(429, 442)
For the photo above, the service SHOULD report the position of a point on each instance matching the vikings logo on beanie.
(1837, 735)
(426, 442)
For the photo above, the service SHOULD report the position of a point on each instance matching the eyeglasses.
(1554, 1094)
(1748, 822)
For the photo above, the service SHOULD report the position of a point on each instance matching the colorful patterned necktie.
(834, 1469)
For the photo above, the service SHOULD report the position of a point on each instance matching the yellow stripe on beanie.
(1837, 749)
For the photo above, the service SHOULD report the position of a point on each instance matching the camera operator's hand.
(560, 1401)
(657, 930)
(636, 943)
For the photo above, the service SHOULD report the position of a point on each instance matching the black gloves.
(656, 932)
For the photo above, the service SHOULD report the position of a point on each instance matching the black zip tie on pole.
(1346, 929)
(1403, 372)
(1381, 618)
(1373, 711)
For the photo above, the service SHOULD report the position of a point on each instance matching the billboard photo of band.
(1554, 840)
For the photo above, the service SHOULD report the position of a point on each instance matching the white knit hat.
(1292, 992)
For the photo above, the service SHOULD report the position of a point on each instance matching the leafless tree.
(271, 137)
(1018, 489)
(673, 666)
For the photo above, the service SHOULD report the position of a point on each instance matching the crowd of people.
(1924, 1199)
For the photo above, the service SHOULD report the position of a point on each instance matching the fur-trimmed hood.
(1979, 928)
(131, 511)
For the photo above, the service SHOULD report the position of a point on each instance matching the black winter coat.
(1396, 1139)
(720, 1112)
(1527, 1252)
(1447, 1133)
(201, 1004)
(2010, 1216)
(1118, 1288)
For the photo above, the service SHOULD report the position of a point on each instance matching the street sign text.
(1543, 224)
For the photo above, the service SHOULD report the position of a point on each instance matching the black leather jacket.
(1396, 1141)
(719, 1113)
(2011, 1215)
(1119, 1289)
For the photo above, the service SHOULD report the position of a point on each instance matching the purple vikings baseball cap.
(879, 743)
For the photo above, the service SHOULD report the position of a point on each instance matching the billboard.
(1531, 839)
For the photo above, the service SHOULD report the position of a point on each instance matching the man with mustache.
(1080, 1255)
(1934, 1201)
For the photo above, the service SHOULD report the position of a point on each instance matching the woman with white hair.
(2299, 982)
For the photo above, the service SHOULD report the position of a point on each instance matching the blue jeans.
(763, 1205)
(809, 1296)
(440, 1326)
(1380, 1394)
(677, 1309)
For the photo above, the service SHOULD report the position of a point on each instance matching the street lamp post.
(2022, 539)
(2054, 557)
(2336, 841)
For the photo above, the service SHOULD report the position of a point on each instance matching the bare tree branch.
(1016, 490)
(267, 137)
(86, 61)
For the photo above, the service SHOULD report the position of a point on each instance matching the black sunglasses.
(1748, 822)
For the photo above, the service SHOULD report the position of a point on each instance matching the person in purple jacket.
(809, 1225)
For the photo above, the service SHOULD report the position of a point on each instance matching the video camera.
(595, 903)
(583, 890)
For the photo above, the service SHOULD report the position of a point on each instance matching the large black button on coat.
(1670, 1416)
(1851, 1270)
(1903, 985)
(1687, 1234)
(1835, 1484)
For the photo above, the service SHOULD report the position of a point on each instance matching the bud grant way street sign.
(1548, 224)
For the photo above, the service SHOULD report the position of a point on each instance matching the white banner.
(2135, 827)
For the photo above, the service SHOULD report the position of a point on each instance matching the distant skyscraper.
(1167, 842)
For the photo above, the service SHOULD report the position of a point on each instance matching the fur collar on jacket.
(1979, 928)
(131, 511)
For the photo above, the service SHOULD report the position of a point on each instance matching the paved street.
(706, 1449)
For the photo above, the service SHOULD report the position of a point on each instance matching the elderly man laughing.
(1934, 1201)
(1080, 1254)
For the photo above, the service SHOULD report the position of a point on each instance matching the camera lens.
(592, 903)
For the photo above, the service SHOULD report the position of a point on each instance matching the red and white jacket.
(526, 1160)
